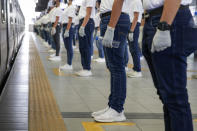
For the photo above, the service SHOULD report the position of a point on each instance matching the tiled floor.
(83, 95)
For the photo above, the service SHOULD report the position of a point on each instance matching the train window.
(3, 11)
(11, 9)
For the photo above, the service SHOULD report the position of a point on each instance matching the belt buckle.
(146, 15)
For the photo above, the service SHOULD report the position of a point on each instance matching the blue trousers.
(85, 44)
(135, 49)
(56, 39)
(169, 69)
(99, 44)
(115, 60)
(68, 43)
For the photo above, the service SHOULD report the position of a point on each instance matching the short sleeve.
(59, 12)
(71, 12)
(90, 3)
(137, 7)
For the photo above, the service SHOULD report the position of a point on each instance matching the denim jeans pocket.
(189, 40)
(155, 21)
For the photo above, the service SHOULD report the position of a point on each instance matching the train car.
(12, 26)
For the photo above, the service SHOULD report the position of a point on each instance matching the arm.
(135, 20)
(87, 17)
(56, 22)
(69, 23)
(170, 10)
(116, 11)
(162, 39)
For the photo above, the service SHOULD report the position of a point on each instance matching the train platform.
(40, 97)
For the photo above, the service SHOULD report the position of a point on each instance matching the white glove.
(66, 34)
(98, 34)
(161, 41)
(108, 37)
(82, 31)
(53, 31)
(130, 37)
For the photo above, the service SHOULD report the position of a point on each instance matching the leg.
(135, 50)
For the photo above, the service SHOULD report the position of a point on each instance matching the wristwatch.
(163, 26)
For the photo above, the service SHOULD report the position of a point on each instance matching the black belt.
(109, 14)
(81, 20)
(65, 24)
(159, 11)
(57, 24)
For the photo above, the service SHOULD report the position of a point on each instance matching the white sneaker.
(110, 115)
(126, 69)
(55, 59)
(66, 67)
(51, 51)
(74, 47)
(100, 112)
(100, 60)
(84, 73)
(53, 55)
(142, 57)
(134, 74)
(79, 72)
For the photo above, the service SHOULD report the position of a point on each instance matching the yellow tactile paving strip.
(44, 114)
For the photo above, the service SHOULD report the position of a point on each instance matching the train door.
(10, 35)
(3, 39)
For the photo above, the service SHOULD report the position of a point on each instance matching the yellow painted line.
(191, 70)
(59, 72)
(130, 66)
(94, 126)
(95, 52)
(194, 76)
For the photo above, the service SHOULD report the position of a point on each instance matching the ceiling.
(41, 5)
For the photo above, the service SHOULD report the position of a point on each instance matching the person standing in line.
(168, 39)
(99, 45)
(55, 32)
(86, 24)
(53, 47)
(114, 27)
(136, 18)
(68, 32)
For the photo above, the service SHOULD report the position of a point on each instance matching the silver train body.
(12, 26)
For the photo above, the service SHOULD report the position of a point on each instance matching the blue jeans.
(126, 55)
(169, 69)
(85, 44)
(56, 39)
(99, 45)
(68, 43)
(75, 36)
(135, 49)
(51, 38)
(115, 60)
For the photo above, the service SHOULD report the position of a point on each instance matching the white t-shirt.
(76, 20)
(106, 6)
(45, 20)
(85, 4)
(136, 6)
(57, 12)
(97, 20)
(68, 12)
(152, 4)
